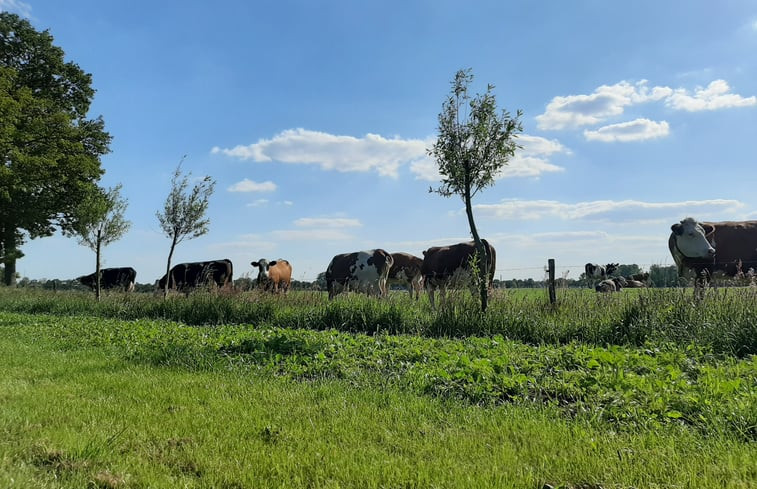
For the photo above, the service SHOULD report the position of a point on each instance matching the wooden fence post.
(551, 282)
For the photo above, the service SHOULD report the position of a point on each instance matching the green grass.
(724, 322)
(88, 402)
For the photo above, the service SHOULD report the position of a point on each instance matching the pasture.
(644, 388)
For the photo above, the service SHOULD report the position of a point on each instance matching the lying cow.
(186, 277)
(365, 271)
(634, 284)
(111, 278)
(706, 248)
(273, 275)
(450, 266)
(611, 285)
(406, 270)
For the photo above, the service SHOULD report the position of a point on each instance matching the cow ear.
(272, 263)
(676, 228)
(254, 264)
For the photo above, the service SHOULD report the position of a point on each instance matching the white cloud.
(305, 235)
(620, 211)
(607, 101)
(327, 222)
(636, 130)
(529, 161)
(332, 152)
(16, 6)
(610, 101)
(713, 97)
(258, 203)
(247, 185)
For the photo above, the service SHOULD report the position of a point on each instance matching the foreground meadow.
(90, 399)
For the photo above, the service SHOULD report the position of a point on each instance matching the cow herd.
(704, 248)
(368, 271)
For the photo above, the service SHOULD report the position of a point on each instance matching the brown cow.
(705, 248)
(449, 266)
(361, 270)
(406, 270)
(273, 275)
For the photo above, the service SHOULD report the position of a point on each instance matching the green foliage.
(724, 322)
(628, 388)
(50, 150)
(473, 146)
(183, 214)
(101, 218)
(474, 142)
(75, 414)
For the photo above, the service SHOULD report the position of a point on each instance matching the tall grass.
(724, 321)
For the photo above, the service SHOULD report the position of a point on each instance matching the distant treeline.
(659, 276)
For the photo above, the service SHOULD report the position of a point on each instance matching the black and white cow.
(596, 272)
(406, 270)
(364, 271)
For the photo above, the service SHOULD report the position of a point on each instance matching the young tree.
(474, 144)
(183, 214)
(49, 151)
(101, 222)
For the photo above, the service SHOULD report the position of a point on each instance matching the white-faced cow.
(185, 277)
(406, 270)
(599, 272)
(111, 278)
(705, 248)
(450, 266)
(274, 276)
(364, 271)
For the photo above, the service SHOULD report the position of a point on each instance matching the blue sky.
(314, 119)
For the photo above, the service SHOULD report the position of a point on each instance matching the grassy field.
(365, 393)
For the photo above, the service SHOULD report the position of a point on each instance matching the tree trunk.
(483, 258)
(168, 268)
(10, 254)
(98, 280)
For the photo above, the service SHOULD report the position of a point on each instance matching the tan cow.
(274, 276)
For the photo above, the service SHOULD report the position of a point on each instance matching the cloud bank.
(611, 101)
(376, 153)
(620, 211)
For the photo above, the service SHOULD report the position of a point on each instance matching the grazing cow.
(273, 275)
(449, 266)
(123, 277)
(406, 270)
(611, 285)
(594, 271)
(705, 248)
(187, 276)
(361, 270)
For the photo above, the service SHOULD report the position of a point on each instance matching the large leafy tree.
(475, 142)
(183, 215)
(49, 151)
(100, 222)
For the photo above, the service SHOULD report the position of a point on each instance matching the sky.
(314, 119)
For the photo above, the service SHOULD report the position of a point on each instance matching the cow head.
(611, 268)
(263, 267)
(691, 238)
